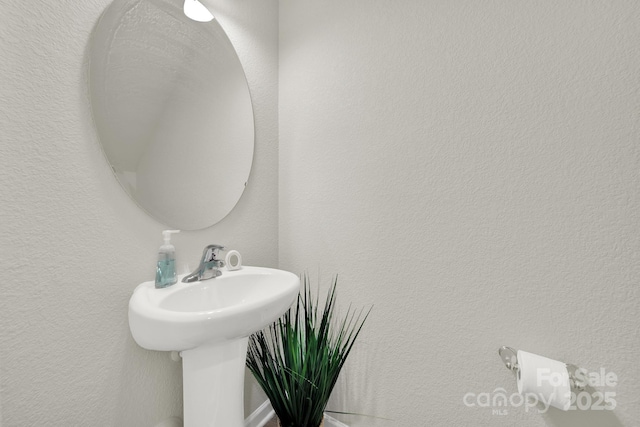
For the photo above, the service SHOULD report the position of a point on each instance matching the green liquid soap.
(166, 273)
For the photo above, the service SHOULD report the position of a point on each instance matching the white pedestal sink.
(209, 323)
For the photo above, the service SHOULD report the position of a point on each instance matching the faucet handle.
(209, 265)
(210, 253)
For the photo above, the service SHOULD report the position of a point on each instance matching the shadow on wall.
(149, 387)
(581, 417)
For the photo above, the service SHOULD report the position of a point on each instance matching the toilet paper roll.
(546, 378)
(229, 260)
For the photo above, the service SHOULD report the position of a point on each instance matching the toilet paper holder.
(509, 357)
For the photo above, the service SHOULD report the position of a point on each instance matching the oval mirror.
(173, 111)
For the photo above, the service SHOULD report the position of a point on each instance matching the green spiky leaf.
(298, 358)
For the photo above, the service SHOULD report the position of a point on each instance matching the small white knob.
(233, 260)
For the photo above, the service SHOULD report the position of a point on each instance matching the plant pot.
(321, 424)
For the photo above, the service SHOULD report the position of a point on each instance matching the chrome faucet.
(209, 267)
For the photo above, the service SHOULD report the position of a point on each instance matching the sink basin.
(209, 323)
(187, 315)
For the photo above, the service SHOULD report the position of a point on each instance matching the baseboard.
(265, 413)
(332, 422)
(260, 416)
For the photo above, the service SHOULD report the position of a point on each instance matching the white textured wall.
(74, 245)
(472, 169)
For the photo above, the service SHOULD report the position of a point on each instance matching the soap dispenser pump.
(166, 269)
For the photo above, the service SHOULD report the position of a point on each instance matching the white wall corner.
(265, 413)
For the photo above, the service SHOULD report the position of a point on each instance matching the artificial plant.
(298, 358)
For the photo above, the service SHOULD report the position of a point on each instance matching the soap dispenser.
(166, 269)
